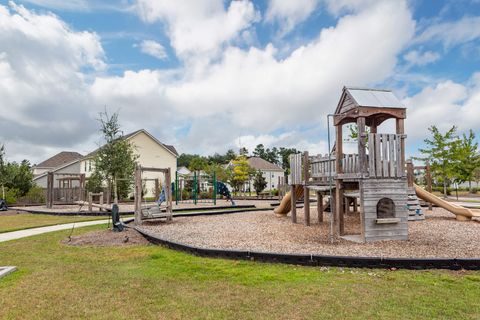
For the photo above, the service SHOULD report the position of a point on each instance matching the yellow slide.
(460, 212)
(285, 205)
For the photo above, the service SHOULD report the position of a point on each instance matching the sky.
(212, 75)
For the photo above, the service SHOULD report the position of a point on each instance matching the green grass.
(56, 281)
(28, 220)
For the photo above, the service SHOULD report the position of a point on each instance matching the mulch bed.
(107, 238)
(439, 236)
(9, 213)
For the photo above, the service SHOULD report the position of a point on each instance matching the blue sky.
(207, 76)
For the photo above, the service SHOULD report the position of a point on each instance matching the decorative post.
(214, 188)
(138, 196)
(176, 187)
(429, 182)
(306, 196)
(338, 217)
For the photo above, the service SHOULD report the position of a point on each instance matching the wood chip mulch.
(439, 236)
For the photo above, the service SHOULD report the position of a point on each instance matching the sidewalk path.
(7, 236)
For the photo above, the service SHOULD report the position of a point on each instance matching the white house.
(270, 171)
(151, 153)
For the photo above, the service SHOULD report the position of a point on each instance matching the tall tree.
(440, 151)
(243, 151)
(260, 151)
(468, 158)
(115, 161)
(259, 182)
(284, 154)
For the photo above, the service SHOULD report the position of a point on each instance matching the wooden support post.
(82, 187)
(138, 196)
(320, 207)
(157, 188)
(410, 174)
(400, 124)
(90, 200)
(50, 190)
(373, 126)
(355, 205)
(362, 142)
(168, 193)
(428, 177)
(293, 200)
(306, 195)
(338, 213)
(109, 192)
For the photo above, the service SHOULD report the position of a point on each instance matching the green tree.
(440, 150)
(240, 172)
(220, 172)
(284, 154)
(2, 170)
(260, 151)
(115, 161)
(468, 158)
(230, 155)
(259, 182)
(243, 151)
(198, 163)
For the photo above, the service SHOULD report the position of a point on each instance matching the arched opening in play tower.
(385, 208)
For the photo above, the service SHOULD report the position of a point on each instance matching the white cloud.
(153, 48)
(252, 92)
(200, 26)
(77, 5)
(289, 13)
(451, 33)
(43, 80)
(418, 58)
(444, 105)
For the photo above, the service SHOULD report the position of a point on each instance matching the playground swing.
(145, 211)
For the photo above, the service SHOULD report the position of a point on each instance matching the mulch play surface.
(107, 238)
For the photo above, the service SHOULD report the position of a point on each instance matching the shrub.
(11, 195)
(35, 195)
(274, 192)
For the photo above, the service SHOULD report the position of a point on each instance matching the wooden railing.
(384, 160)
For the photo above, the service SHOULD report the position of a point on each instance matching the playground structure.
(65, 192)
(374, 179)
(197, 187)
(158, 210)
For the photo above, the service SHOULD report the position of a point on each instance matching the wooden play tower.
(373, 179)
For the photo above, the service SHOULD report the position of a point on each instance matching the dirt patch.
(9, 213)
(107, 238)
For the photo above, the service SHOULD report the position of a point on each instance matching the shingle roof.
(131, 134)
(261, 164)
(59, 159)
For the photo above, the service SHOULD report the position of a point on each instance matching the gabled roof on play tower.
(366, 97)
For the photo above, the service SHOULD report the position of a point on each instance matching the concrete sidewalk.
(7, 236)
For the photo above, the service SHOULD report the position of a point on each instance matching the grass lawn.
(56, 281)
(29, 220)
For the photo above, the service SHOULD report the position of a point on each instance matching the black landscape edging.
(319, 260)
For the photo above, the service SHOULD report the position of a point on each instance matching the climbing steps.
(414, 210)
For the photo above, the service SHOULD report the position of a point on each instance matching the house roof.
(169, 148)
(262, 164)
(59, 159)
(379, 98)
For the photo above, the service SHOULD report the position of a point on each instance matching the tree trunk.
(470, 186)
(444, 187)
(115, 191)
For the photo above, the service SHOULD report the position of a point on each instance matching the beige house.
(151, 153)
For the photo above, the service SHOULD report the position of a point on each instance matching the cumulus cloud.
(444, 104)
(43, 71)
(289, 13)
(200, 26)
(153, 48)
(252, 92)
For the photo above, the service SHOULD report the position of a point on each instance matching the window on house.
(89, 166)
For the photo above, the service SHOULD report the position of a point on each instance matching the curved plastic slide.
(286, 204)
(460, 212)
